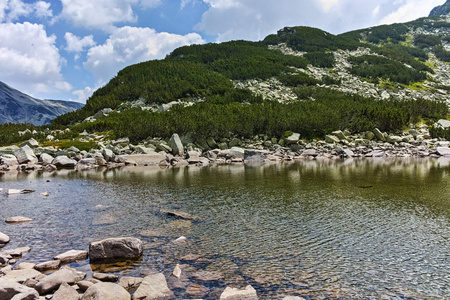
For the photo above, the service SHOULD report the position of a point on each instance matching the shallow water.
(354, 229)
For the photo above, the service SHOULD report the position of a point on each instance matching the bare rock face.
(154, 287)
(106, 290)
(116, 248)
(10, 289)
(249, 293)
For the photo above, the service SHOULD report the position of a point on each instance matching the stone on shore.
(443, 151)
(249, 293)
(141, 159)
(25, 266)
(332, 139)
(71, 256)
(12, 290)
(25, 155)
(9, 160)
(106, 290)
(18, 219)
(48, 265)
(176, 145)
(21, 276)
(116, 248)
(153, 287)
(66, 292)
(379, 135)
(63, 162)
(46, 159)
(32, 143)
(4, 239)
(54, 280)
(293, 138)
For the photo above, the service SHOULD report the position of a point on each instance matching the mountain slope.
(17, 107)
(441, 10)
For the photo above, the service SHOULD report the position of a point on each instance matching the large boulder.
(31, 142)
(379, 135)
(141, 159)
(292, 138)
(25, 155)
(176, 145)
(9, 160)
(116, 248)
(13, 290)
(153, 287)
(21, 276)
(443, 151)
(249, 293)
(64, 162)
(106, 290)
(46, 159)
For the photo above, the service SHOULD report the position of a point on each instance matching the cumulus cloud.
(409, 11)
(103, 14)
(130, 45)
(77, 44)
(29, 58)
(12, 10)
(255, 19)
(84, 94)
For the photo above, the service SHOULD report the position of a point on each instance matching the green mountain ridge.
(441, 10)
(301, 79)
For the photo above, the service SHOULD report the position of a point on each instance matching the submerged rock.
(249, 293)
(18, 219)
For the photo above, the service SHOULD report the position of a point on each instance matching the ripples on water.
(355, 229)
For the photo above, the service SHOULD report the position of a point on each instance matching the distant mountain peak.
(17, 107)
(441, 10)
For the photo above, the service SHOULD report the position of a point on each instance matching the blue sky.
(66, 49)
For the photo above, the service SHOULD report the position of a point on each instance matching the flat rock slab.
(10, 289)
(153, 287)
(116, 248)
(443, 151)
(17, 252)
(16, 191)
(71, 256)
(106, 290)
(130, 283)
(18, 219)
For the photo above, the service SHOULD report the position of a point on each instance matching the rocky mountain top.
(441, 10)
(17, 107)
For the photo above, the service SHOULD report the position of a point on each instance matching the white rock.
(18, 219)
(4, 238)
(17, 191)
(177, 271)
(71, 256)
(249, 293)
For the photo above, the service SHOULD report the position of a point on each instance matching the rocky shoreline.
(176, 151)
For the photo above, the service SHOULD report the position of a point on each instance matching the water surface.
(354, 229)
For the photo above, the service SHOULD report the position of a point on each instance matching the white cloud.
(150, 3)
(255, 19)
(100, 14)
(30, 60)
(12, 10)
(76, 44)
(411, 10)
(130, 45)
(83, 95)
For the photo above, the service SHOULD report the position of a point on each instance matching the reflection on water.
(349, 229)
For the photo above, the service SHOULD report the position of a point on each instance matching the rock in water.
(16, 191)
(71, 256)
(176, 145)
(116, 248)
(18, 219)
(64, 162)
(249, 293)
(106, 290)
(4, 239)
(153, 287)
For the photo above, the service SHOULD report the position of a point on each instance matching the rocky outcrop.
(116, 248)
(441, 10)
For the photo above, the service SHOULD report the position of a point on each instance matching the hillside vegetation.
(209, 83)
